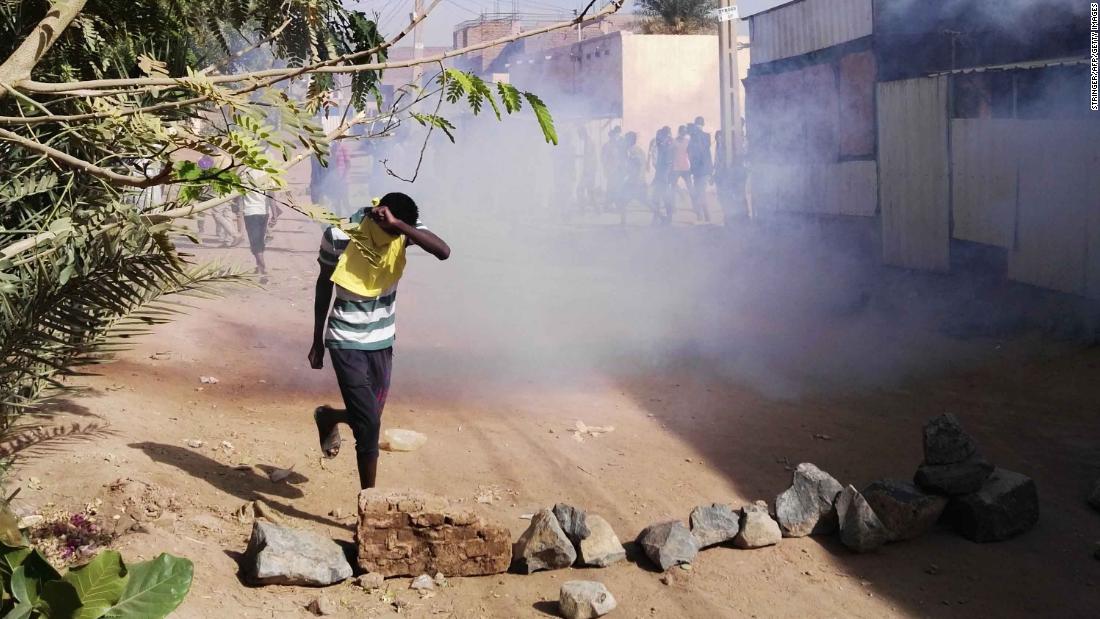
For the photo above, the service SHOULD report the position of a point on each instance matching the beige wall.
(669, 80)
(646, 81)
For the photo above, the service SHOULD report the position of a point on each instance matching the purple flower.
(206, 162)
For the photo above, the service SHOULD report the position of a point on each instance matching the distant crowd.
(684, 162)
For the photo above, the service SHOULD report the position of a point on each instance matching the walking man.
(702, 164)
(364, 272)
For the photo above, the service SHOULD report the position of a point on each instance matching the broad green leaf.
(27, 579)
(99, 584)
(542, 113)
(12, 557)
(154, 588)
(23, 588)
(22, 610)
(59, 600)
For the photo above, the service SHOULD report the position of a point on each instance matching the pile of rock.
(985, 504)
(563, 536)
(671, 543)
(955, 482)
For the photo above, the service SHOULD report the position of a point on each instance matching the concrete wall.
(470, 33)
(646, 81)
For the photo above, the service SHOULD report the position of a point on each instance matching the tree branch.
(269, 38)
(17, 67)
(328, 66)
(79, 164)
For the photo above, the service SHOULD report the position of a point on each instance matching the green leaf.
(12, 557)
(482, 89)
(60, 601)
(458, 84)
(542, 113)
(510, 95)
(99, 584)
(24, 589)
(154, 588)
(436, 121)
(28, 578)
(187, 170)
(22, 610)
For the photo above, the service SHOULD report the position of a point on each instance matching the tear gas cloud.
(537, 292)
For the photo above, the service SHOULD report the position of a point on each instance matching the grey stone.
(572, 521)
(945, 441)
(904, 509)
(806, 508)
(279, 555)
(585, 599)
(954, 479)
(668, 544)
(602, 547)
(1094, 497)
(860, 528)
(714, 524)
(543, 546)
(322, 607)
(371, 581)
(1006, 506)
(422, 582)
(758, 529)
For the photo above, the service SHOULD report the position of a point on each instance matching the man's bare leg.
(368, 469)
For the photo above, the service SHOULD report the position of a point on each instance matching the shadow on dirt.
(244, 483)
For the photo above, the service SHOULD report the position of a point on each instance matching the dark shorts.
(364, 379)
(256, 226)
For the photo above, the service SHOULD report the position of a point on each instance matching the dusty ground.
(713, 409)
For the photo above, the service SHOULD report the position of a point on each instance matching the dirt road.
(714, 405)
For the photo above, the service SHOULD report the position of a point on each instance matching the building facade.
(958, 126)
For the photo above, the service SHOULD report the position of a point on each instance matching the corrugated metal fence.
(806, 26)
(913, 173)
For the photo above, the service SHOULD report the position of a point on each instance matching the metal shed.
(809, 25)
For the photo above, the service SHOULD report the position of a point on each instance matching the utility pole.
(727, 80)
(418, 44)
(728, 21)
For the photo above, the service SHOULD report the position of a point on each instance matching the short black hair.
(402, 206)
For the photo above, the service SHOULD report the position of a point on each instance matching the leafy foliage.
(458, 84)
(87, 250)
(104, 587)
(678, 16)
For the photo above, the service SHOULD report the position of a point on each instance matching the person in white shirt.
(256, 209)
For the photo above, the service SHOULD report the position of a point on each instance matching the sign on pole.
(727, 13)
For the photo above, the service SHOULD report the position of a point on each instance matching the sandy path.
(687, 432)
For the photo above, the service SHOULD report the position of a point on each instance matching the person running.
(360, 330)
